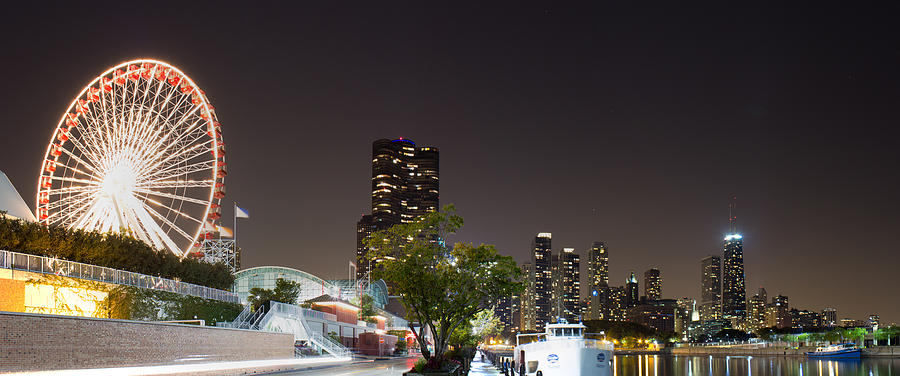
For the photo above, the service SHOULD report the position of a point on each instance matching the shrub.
(112, 250)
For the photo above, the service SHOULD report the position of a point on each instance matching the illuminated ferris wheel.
(139, 149)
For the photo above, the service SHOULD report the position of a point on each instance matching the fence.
(49, 265)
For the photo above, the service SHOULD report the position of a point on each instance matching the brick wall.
(45, 342)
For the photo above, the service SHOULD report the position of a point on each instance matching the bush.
(112, 250)
(132, 303)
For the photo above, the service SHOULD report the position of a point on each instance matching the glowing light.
(733, 237)
(140, 149)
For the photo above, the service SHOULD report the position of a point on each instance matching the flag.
(240, 213)
(225, 232)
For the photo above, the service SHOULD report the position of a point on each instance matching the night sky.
(630, 126)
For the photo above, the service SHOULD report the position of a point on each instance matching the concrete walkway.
(482, 368)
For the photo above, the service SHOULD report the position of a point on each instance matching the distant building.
(405, 186)
(874, 320)
(652, 284)
(614, 302)
(543, 279)
(756, 311)
(503, 311)
(805, 319)
(632, 295)
(364, 228)
(734, 301)
(778, 313)
(566, 285)
(598, 266)
(657, 314)
(829, 317)
(526, 318)
(684, 316)
(711, 288)
(853, 323)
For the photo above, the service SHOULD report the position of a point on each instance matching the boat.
(844, 350)
(562, 350)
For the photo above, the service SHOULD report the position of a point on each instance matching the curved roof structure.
(265, 277)
(11, 201)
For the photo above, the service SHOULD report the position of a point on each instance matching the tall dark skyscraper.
(711, 288)
(541, 260)
(632, 292)
(567, 286)
(405, 185)
(598, 267)
(652, 284)
(734, 293)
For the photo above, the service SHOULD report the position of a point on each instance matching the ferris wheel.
(139, 149)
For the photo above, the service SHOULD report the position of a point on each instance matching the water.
(671, 365)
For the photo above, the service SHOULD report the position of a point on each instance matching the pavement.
(482, 368)
(206, 369)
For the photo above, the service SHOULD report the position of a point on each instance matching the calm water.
(670, 365)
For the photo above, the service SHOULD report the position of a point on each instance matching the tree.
(284, 292)
(440, 287)
(486, 324)
(367, 308)
(856, 334)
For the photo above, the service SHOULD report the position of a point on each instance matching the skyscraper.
(756, 314)
(526, 318)
(364, 228)
(829, 315)
(405, 185)
(734, 293)
(598, 266)
(631, 292)
(652, 284)
(734, 298)
(710, 288)
(543, 278)
(778, 313)
(567, 286)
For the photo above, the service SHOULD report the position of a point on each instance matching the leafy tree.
(367, 308)
(731, 335)
(440, 287)
(856, 334)
(619, 330)
(835, 335)
(284, 292)
(486, 324)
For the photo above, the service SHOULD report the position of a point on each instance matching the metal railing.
(54, 266)
(327, 344)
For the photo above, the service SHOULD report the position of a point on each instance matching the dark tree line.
(112, 250)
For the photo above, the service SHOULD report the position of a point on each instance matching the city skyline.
(583, 122)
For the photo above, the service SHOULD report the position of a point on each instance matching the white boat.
(844, 350)
(562, 350)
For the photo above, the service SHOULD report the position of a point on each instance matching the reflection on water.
(671, 365)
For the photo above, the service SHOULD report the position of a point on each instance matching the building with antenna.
(734, 292)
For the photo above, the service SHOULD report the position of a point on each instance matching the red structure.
(377, 344)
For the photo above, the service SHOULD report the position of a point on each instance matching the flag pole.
(235, 226)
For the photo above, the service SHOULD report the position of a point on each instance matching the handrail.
(72, 269)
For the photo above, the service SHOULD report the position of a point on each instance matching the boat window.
(557, 332)
(568, 332)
